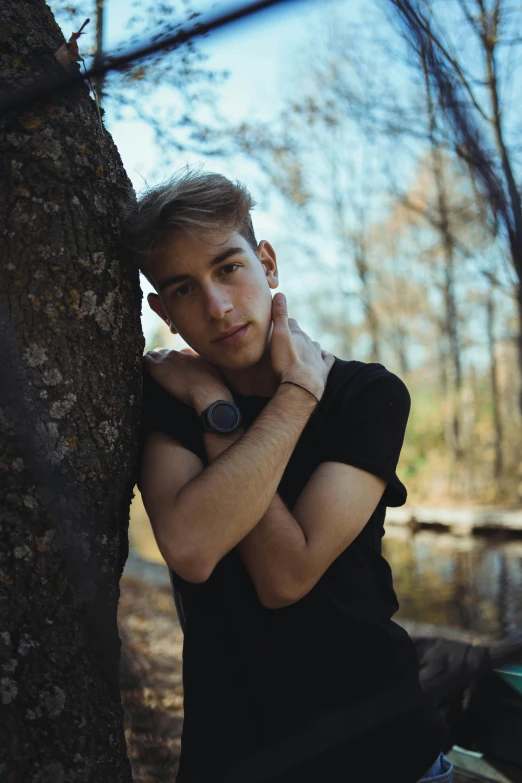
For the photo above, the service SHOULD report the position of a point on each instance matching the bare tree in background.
(99, 52)
(444, 225)
(349, 224)
(458, 235)
(476, 108)
(169, 91)
(495, 395)
(70, 402)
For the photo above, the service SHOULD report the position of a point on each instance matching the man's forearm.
(276, 555)
(220, 506)
(275, 551)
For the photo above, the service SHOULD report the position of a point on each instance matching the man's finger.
(148, 362)
(280, 310)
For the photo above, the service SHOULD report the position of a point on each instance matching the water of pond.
(469, 584)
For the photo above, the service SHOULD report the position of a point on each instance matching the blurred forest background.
(382, 143)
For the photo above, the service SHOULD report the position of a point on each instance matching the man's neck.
(259, 379)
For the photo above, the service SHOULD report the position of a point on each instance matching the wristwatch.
(222, 416)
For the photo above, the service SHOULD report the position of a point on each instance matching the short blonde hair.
(191, 201)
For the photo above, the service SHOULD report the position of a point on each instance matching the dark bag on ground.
(483, 711)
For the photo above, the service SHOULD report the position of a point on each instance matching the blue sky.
(260, 54)
(265, 57)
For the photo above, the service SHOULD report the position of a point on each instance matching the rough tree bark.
(69, 409)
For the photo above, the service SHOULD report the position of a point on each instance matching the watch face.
(224, 416)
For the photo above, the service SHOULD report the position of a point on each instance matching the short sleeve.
(164, 413)
(370, 428)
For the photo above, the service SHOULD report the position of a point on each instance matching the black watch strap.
(222, 416)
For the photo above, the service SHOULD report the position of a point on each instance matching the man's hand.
(295, 357)
(187, 376)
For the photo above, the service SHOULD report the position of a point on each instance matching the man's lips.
(233, 334)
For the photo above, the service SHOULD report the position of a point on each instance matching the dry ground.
(151, 683)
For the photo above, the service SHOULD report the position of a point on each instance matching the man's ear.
(266, 254)
(156, 305)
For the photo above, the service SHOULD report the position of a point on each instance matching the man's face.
(214, 285)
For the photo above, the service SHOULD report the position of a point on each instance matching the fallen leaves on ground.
(151, 679)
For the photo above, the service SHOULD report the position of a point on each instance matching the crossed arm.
(199, 514)
(287, 552)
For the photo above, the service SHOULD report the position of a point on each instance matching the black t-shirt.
(326, 688)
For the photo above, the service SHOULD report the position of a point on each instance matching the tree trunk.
(70, 402)
(451, 318)
(400, 339)
(99, 53)
(495, 395)
(443, 225)
(519, 338)
(514, 199)
(370, 313)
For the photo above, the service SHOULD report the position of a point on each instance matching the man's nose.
(217, 304)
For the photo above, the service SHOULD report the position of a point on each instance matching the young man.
(267, 466)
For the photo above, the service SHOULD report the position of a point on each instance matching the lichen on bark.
(69, 414)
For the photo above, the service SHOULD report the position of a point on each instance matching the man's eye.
(228, 268)
(183, 290)
(186, 288)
